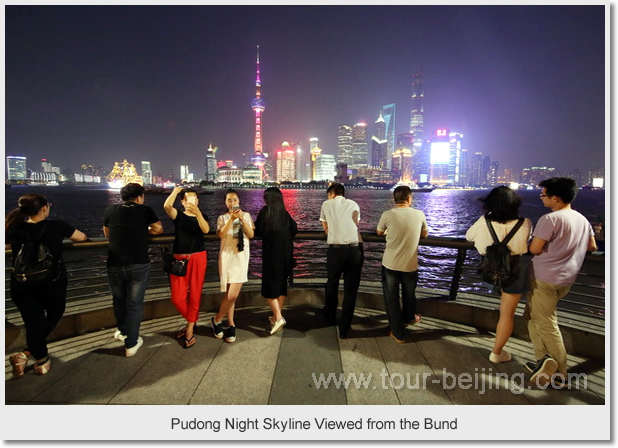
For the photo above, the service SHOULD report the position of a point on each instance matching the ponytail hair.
(28, 205)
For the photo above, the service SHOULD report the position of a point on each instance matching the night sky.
(93, 85)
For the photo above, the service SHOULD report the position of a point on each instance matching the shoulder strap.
(492, 231)
(513, 231)
(510, 235)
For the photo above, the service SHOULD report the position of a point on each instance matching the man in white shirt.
(340, 217)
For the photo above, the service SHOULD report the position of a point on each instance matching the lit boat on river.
(123, 174)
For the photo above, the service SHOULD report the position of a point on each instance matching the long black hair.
(28, 205)
(501, 204)
(276, 214)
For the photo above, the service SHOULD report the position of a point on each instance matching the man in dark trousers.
(127, 226)
(340, 217)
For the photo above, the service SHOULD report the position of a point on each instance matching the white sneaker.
(118, 335)
(128, 352)
(504, 356)
(278, 326)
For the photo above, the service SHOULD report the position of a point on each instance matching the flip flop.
(181, 333)
(190, 342)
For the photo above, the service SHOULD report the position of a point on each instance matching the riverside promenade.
(441, 363)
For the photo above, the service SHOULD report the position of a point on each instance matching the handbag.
(175, 266)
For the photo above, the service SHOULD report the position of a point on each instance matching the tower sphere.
(258, 159)
(258, 104)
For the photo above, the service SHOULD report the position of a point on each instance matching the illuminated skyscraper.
(258, 105)
(359, 142)
(16, 168)
(302, 163)
(344, 144)
(379, 145)
(286, 163)
(146, 172)
(325, 167)
(455, 167)
(314, 152)
(417, 111)
(46, 166)
(476, 170)
(388, 114)
(440, 153)
(421, 161)
(185, 176)
(402, 162)
(210, 165)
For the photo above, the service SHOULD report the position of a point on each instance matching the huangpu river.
(449, 214)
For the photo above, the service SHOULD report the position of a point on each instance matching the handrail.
(448, 275)
(434, 241)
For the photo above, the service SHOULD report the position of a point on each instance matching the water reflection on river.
(449, 212)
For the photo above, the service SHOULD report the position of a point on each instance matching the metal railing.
(446, 265)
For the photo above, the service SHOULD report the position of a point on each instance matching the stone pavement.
(441, 363)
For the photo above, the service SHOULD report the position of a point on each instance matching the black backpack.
(34, 262)
(498, 266)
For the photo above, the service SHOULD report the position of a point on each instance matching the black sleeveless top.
(189, 236)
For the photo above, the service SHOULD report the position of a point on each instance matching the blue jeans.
(128, 286)
(398, 315)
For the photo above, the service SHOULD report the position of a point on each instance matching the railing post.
(461, 258)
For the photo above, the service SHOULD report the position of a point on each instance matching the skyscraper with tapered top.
(421, 163)
(388, 114)
(258, 105)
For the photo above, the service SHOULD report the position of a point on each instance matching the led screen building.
(440, 156)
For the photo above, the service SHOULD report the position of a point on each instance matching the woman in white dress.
(234, 228)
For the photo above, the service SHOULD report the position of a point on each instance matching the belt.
(186, 255)
(343, 245)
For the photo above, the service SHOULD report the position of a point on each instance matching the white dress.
(233, 265)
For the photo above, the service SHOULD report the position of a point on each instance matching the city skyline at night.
(524, 84)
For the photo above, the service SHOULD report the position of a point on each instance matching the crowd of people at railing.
(545, 260)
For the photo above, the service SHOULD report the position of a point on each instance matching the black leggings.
(41, 307)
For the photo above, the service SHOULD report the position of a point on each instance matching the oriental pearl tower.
(258, 107)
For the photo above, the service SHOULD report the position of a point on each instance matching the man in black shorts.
(127, 226)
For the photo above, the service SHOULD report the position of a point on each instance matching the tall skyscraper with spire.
(258, 105)
(421, 163)
(388, 114)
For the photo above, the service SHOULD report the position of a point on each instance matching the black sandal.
(181, 333)
(190, 342)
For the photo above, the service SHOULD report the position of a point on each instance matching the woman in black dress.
(277, 229)
(40, 304)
